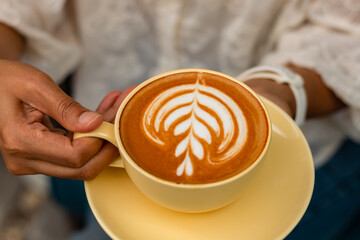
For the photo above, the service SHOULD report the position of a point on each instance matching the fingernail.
(88, 117)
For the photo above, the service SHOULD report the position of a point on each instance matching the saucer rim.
(268, 104)
(278, 110)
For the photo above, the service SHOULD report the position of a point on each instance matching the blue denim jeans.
(71, 195)
(334, 210)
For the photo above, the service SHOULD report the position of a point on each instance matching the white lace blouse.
(113, 44)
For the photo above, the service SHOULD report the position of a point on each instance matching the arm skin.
(29, 144)
(12, 44)
(321, 100)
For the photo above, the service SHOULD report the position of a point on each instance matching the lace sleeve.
(51, 41)
(329, 43)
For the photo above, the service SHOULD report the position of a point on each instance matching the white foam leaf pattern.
(226, 118)
(210, 120)
(181, 147)
(156, 104)
(201, 131)
(204, 110)
(182, 127)
(185, 166)
(176, 115)
(173, 103)
(196, 147)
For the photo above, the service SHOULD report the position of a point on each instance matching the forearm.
(12, 44)
(321, 100)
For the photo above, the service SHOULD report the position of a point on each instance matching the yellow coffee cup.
(191, 198)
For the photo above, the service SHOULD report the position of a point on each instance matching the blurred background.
(28, 210)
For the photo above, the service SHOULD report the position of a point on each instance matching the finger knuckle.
(36, 79)
(78, 158)
(87, 173)
(38, 135)
(11, 144)
(15, 168)
(75, 158)
(73, 162)
(65, 106)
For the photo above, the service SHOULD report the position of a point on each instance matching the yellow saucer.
(269, 209)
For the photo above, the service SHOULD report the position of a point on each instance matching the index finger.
(41, 143)
(110, 114)
(123, 96)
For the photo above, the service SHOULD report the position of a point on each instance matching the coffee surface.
(193, 128)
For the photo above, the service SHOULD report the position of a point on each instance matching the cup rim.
(126, 158)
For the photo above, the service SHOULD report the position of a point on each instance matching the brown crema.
(194, 128)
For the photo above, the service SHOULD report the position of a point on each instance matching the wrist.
(322, 100)
(282, 76)
(281, 94)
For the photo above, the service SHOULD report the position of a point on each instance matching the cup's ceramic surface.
(269, 208)
(192, 198)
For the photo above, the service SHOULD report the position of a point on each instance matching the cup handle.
(104, 131)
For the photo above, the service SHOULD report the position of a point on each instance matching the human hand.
(29, 143)
(111, 103)
(280, 94)
(321, 100)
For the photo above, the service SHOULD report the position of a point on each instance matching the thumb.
(46, 96)
(73, 116)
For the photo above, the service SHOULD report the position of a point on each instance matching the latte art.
(193, 127)
(185, 109)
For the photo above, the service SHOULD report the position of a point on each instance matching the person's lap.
(334, 210)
